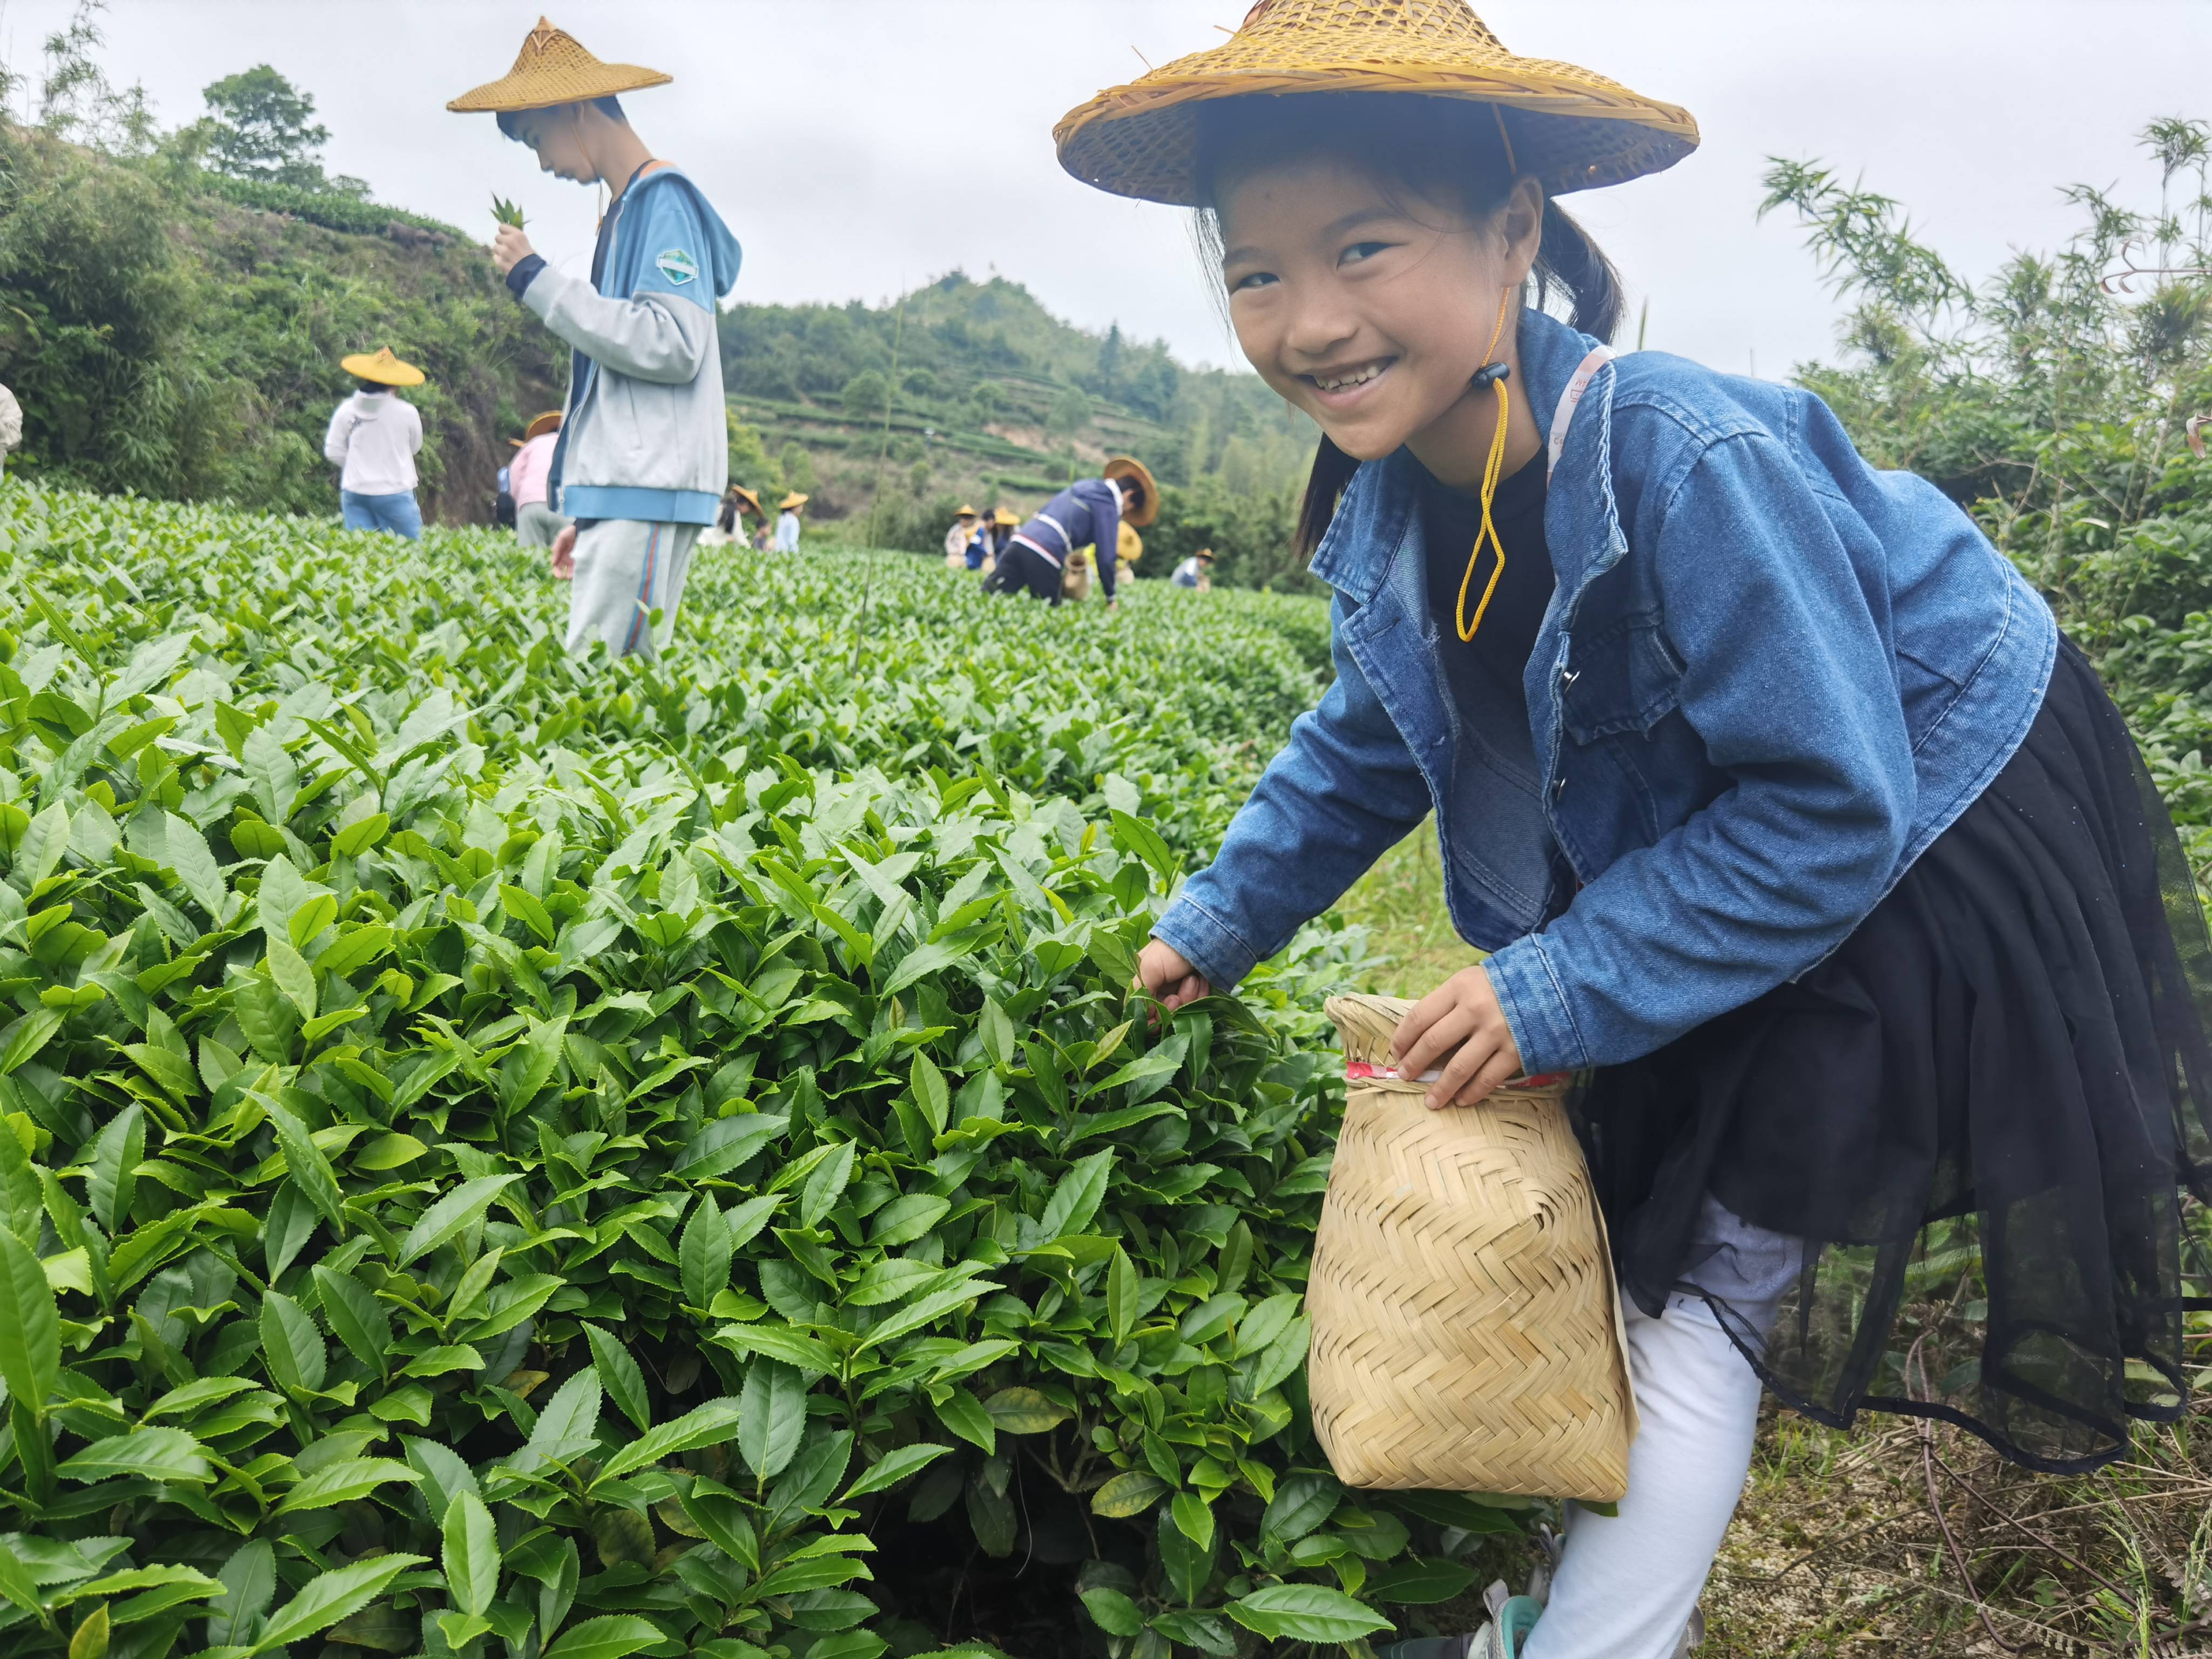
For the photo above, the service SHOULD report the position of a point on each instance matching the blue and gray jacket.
(645, 435)
(1088, 513)
(1770, 676)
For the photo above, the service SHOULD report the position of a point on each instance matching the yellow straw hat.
(749, 499)
(1129, 546)
(1128, 466)
(381, 366)
(553, 68)
(542, 424)
(1002, 517)
(1571, 129)
(793, 499)
(965, 512)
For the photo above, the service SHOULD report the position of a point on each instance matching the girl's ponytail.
(1332, 472)
(1568, 260)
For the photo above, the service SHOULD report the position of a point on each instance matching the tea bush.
(510, 1155)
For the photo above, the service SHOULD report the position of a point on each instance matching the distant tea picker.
(643, 455)
(1089, 512)
(373, 441)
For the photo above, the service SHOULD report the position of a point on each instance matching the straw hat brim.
(748, 498)
(542, 424)
(545, 86)
(384, 369)
(1128, 466)
(1005, 519)
(1571, 129)
(791, 500)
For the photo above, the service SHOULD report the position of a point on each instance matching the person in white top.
(373, 439)
(11, 424)
(787, 523)
(958, 538)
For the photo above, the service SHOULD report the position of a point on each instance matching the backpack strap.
(1570, 400)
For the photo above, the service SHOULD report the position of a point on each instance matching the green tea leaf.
(1305, 1612)
(328, 1597)
(619, 1376)
(159, 1453)
(613, 1637)
(30, 1326)
(471, 1556)
(771, 1417)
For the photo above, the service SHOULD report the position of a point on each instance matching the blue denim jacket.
(1769, 677)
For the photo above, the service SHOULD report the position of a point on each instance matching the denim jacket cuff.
(1535, 1007)
(1206, 942)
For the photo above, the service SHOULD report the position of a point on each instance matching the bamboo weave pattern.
(1465, 1333)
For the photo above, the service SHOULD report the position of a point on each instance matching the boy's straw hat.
(1128, 466)
(793, 500)
(542, 424)
(553, 68)
(381, 366)
(1571, 129)
(1206, 553)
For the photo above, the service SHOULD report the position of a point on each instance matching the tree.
(798, 469)
(864, 394)
(261, 127)
(1070, 409)
(751, 465)
(75, 100)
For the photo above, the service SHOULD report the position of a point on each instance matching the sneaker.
(1511, 1618)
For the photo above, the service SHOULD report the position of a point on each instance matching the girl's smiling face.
(1370, 308)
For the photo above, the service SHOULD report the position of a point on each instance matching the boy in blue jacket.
(644, 455)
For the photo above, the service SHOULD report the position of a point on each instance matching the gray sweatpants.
(626, 571)
(536, 525)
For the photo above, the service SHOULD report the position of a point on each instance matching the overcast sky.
(859, 147)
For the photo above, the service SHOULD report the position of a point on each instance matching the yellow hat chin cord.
(1492, 373)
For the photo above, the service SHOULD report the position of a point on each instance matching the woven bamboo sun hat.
(1128, 466)
(1006, 519)
(749, 499)
(965, 511)
(542, 424)
(790, 501)
(381, 366)
(1570, 128)
(553, 68)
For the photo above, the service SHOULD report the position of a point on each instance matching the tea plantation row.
(504, 1156)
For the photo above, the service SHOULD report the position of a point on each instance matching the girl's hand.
(1462, 1013)
(564, 553)
(1163, 971)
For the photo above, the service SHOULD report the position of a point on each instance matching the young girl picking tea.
(1784, 810)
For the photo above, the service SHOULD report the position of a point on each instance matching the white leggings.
(1627, 1584)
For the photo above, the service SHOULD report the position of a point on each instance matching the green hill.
(999, 402)
(177, 333)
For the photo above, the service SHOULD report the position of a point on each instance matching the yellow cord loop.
(1492, 468)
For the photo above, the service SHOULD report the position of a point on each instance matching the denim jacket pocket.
(1622, 677)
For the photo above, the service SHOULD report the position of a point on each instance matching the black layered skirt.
(1988, 1115)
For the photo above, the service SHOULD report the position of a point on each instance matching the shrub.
(619, 1159)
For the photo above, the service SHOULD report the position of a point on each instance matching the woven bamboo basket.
(1465, 1331)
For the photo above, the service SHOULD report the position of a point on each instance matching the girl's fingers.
(1421, 1016)
(1445, 1033)
(1459, 1072)
(1499, 1068)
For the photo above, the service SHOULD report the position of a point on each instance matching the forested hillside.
(998, 401)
